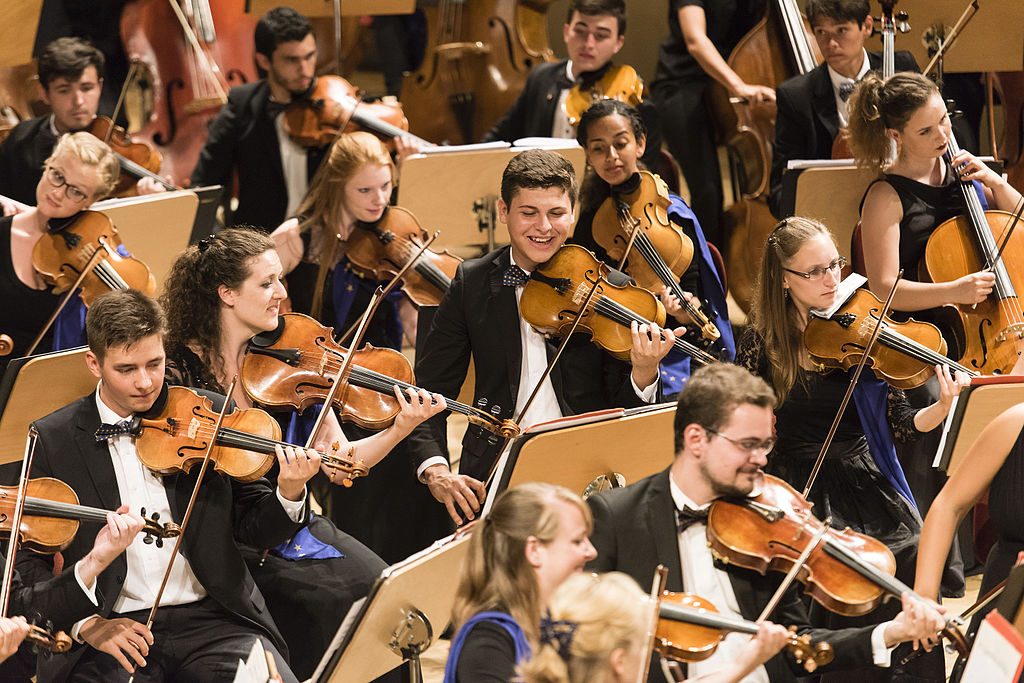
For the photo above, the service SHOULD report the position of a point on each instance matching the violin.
(379, 251)
(52, 516)
(174, 435)
(848, 573)
(552, 297)
(633, 224)
(905, 354)
(332, 107)
(690, 629)
(137, 159)
(61, 256)
(294, 365)
(967, 244)
(619, 82)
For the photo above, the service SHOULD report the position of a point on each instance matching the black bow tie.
(687, 517)
(845, 89)
(514, 276)
(109, 431)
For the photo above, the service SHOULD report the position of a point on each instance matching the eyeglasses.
(819, 272)
(57, 179)
(751, 446)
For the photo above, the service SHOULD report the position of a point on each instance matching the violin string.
(55, 508)
(664, 273)
(425, 268)
(234, 438)
(914, 349)
(616, 312)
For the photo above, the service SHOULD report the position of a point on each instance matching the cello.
(777, 48)
(476, 61)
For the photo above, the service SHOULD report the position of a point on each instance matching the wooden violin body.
(478, 55)
(18, 96)
(137, 159)
(380, 250)
(621, 82)
(904, 355)
(60, 257)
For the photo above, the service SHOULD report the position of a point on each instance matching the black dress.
(1007, 514)
(25, 310)
(307, 598)
(849, 488)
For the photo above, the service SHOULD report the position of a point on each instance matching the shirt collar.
(107, 414)
(513, 260)
(838, 79)
(568, 71)
(53, 126)
(680, 499)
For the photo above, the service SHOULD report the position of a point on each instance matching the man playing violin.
(71, 77)
(248, 135)
(594, 32)
(212, 611)
(723, 433)
(812, 108)
(479, 318)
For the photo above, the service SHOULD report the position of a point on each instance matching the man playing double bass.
(723, 433)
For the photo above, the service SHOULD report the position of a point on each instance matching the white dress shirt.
(560, 126)
(294, 164)
(701, 576)
(838, 80)
(139, 488)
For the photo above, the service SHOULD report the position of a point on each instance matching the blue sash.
(344, 285)
(503, 620)
(871, 396)
(69, 327)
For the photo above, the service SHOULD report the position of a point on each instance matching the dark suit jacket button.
(120, 579)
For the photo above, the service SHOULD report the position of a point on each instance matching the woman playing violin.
(861, 484)
(219, 294)
(595, 629)
(353, 185)
(81, 170)
(614, 138)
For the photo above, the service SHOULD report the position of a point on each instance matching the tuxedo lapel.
(662, 528)
(824, 101)
(95, 455)
(506, 315)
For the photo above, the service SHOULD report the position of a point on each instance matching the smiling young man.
(248, 135)
(479, 318)
(812, 107)
(594, 32)
(724, 430)
(211, 612)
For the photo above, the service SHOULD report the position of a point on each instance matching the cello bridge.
(1011, 333)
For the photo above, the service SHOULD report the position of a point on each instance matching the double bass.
(778, 47)
(476, 61)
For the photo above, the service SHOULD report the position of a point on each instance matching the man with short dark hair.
(479, 317)
(724, 430)
(812, 107)
(248, 136)
(211, 612)
(594, 32)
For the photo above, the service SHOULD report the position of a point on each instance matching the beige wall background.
(645, 29)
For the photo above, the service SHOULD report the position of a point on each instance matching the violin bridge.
(193, 428)
(580, 295)
(323, 364)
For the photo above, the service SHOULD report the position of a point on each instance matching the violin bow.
(954, 33)
(791, 575)
(1015, 218)
(72, 290)
(658, 584)
(191, 505)
(511, 429)
(853, 384)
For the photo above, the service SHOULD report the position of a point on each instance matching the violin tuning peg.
(159, 542)
(335, 446)
(148, 539)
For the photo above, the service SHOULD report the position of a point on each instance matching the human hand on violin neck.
(415, 407)
(920, 620)
(651, 344)
(297, 466)
(674, 307)
(113, 539)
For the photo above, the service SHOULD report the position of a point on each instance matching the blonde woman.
(81, 170)
(535, 537)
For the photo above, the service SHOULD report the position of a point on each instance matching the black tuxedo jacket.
(635, 531)
(22, 156)
(243, 140)
(807, 121)
(533, 112)
(479, 318)
(226, 511)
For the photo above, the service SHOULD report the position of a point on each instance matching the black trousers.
(194, 643)
(687, 129)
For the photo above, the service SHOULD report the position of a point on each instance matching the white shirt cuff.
(880, 654)
(429, 462)
(294, 508)
(646, 395)
(76, 629)
(90, 591)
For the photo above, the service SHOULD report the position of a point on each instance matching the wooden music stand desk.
(407, 609)
(451, 192)
(621, 445)
(34, 387)
(155, 228)
(830, 194)
(975, 407)
(18, 31)
(325, 8)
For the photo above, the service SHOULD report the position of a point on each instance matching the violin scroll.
(154, 532)
(348, 464)
(807, 654)
(43, 639)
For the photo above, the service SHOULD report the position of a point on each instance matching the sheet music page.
(998, 653)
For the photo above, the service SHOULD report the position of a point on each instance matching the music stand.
(34, 387)
(465, 217)
(973, 409)
(407, 609)
(325, 8)
(154, 227)
(584, 452)
(16, 43)
(827, 191)
(205, 223)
